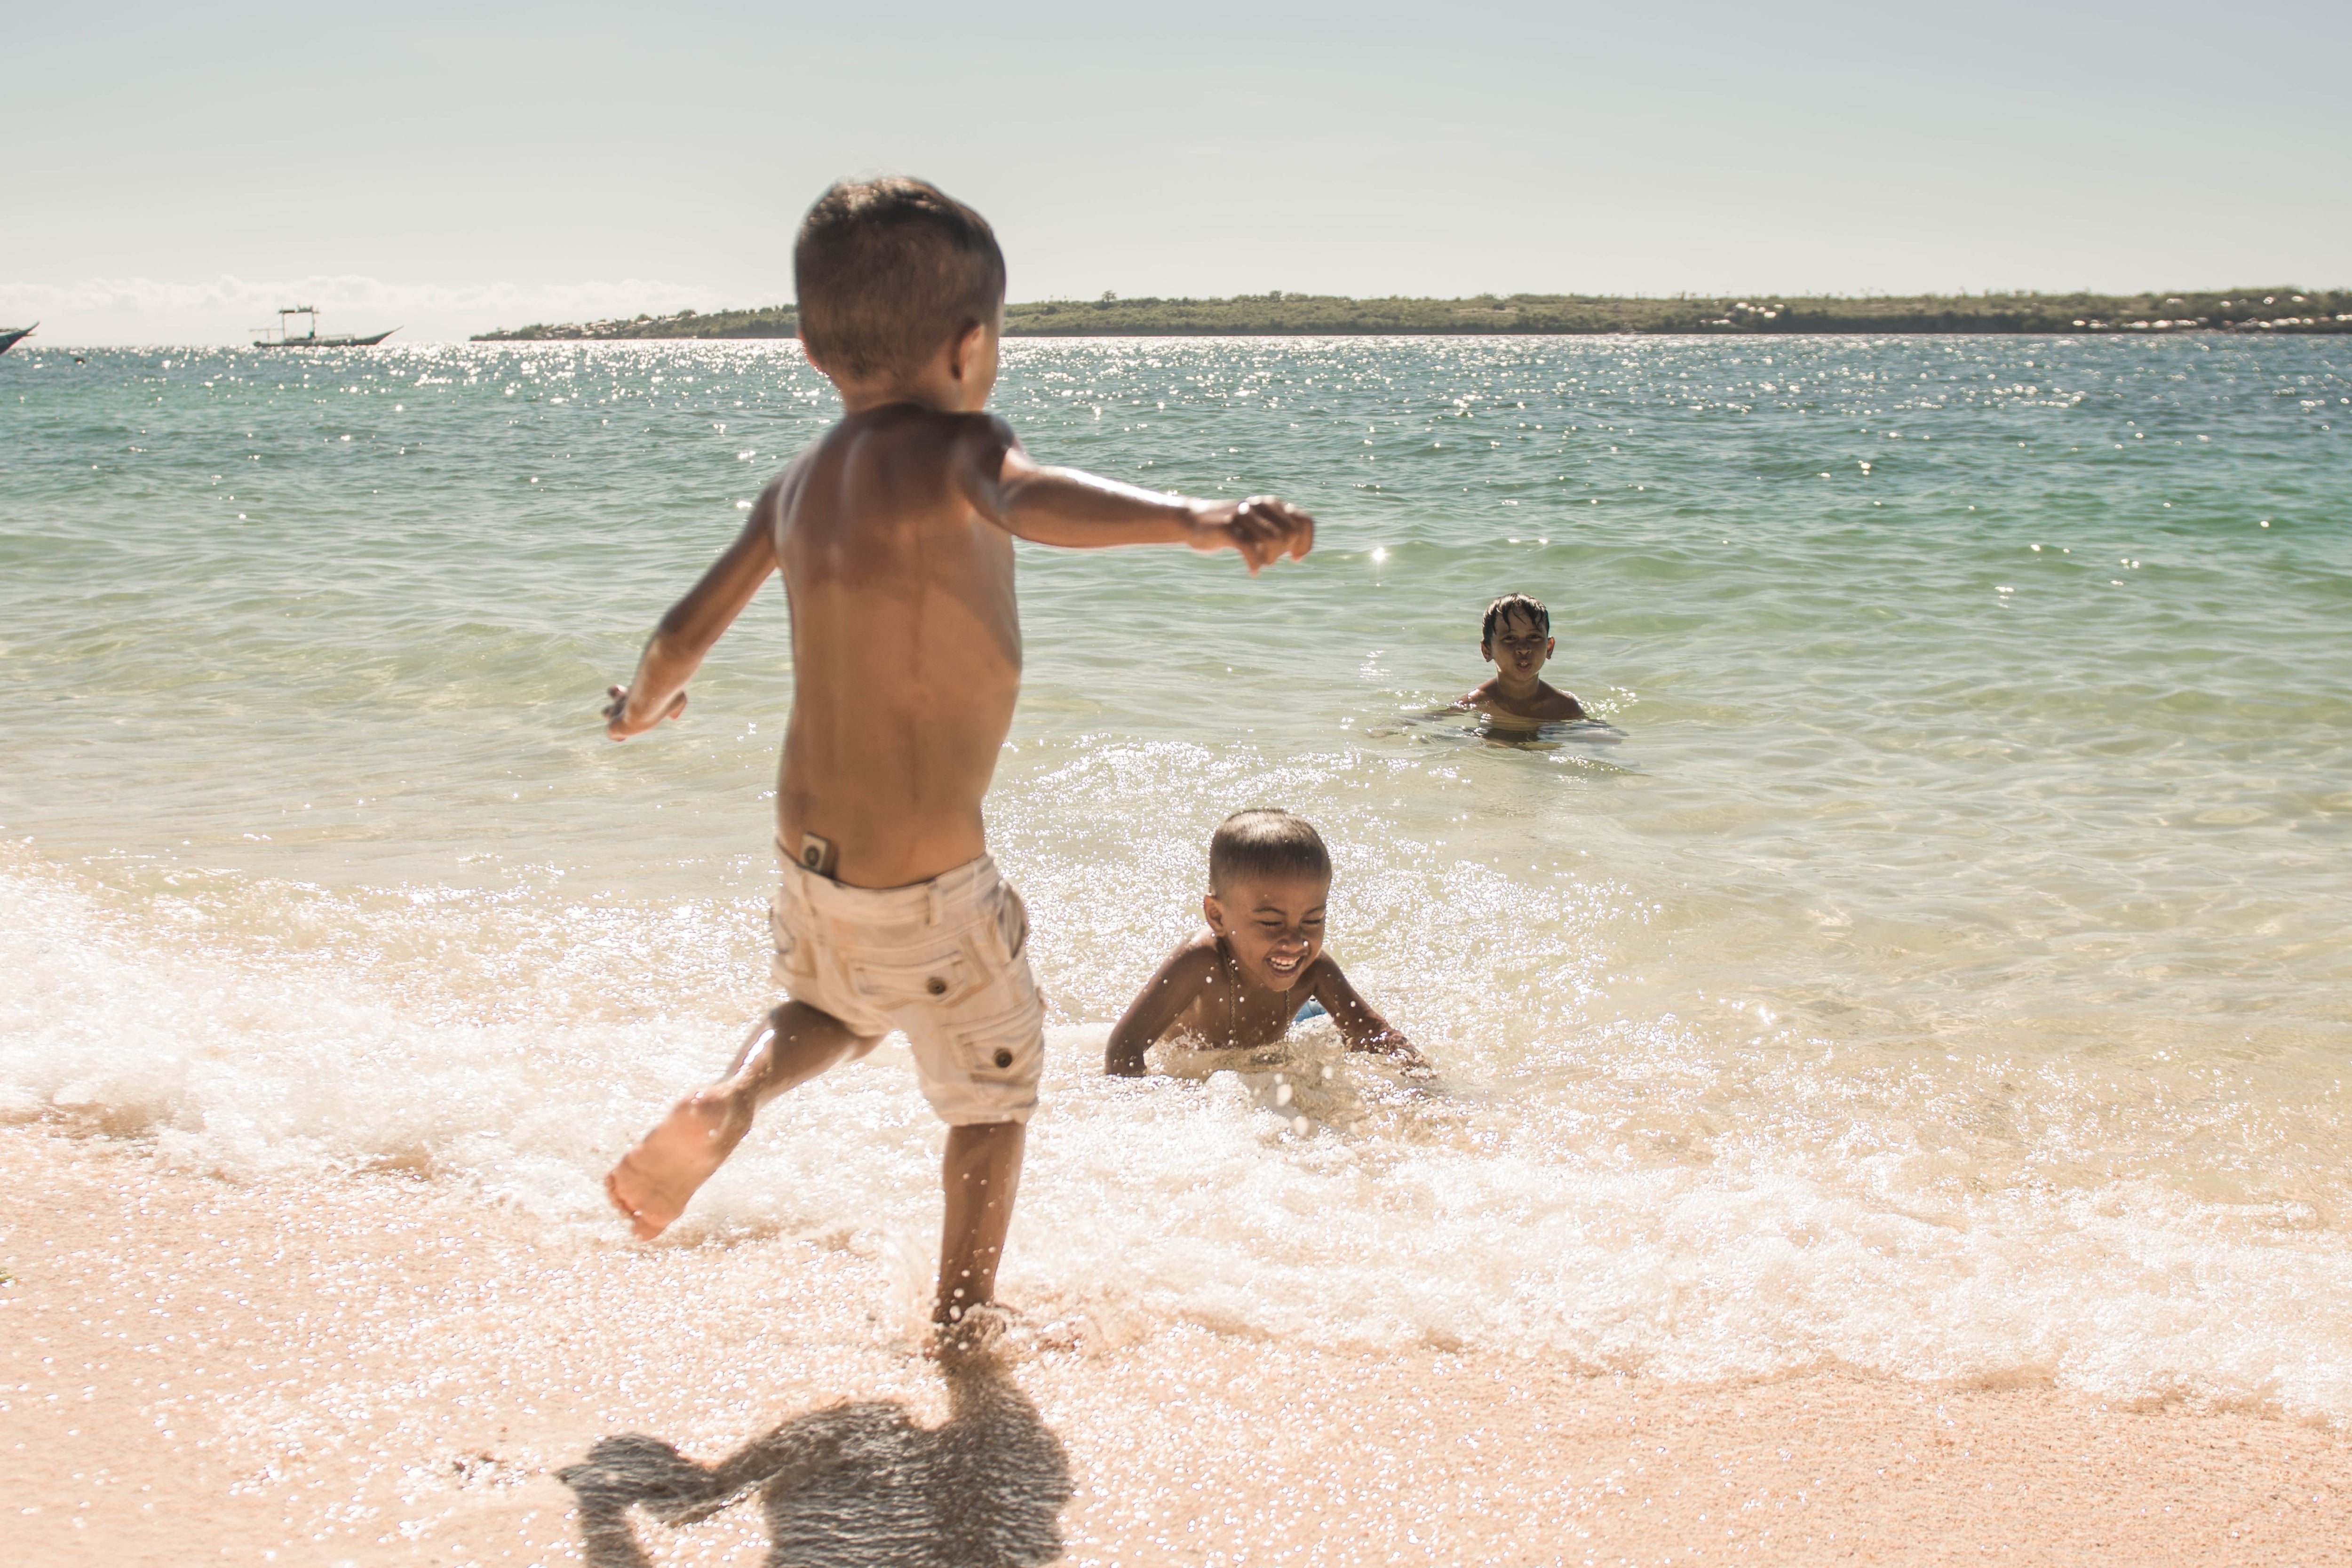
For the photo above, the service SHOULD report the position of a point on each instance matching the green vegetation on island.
(2269, 309)
(767, 321)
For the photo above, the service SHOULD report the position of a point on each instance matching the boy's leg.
(981, 1173)
(792, 1045)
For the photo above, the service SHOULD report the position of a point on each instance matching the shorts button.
(936, 986)
(1003, 1058)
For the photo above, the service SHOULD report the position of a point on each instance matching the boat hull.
(347, 341)
(9, 336)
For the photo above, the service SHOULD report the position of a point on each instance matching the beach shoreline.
(372, 1367)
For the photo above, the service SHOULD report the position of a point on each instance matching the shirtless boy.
(894, 532)
(1518, 639)
(1239, 982)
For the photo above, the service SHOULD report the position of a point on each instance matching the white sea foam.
(1488, 1215)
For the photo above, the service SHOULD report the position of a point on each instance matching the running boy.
(1517, 638)
(894, 532)
(1238, 982)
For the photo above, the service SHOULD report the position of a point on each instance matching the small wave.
(1501, 1214)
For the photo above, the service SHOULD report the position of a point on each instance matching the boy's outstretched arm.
(1363, 1029)
(1163, 998)
(658, 692)
(1083, 511)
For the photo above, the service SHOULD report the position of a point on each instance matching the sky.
(170, 174)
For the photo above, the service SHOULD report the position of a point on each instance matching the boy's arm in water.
(1082, 512)
(657, 690)
(1173, 988)
(1363, 1029)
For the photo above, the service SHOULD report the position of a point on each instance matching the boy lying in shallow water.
(1237, 983)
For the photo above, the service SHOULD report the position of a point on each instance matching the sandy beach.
(366, 1368)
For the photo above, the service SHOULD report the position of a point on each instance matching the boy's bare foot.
(653, 1181)
(989, 1329)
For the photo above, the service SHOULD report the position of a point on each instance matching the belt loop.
(932, 888)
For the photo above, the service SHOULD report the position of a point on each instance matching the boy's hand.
(617, 725)
(1402, 1051)
(1264, 529)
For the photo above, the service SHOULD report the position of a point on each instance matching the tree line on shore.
(2273, 309)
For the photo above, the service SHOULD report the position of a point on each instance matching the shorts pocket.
(795, 960)
(1008, 1048)
(1012, 921)
(938, 981)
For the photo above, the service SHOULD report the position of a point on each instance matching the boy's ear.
(809, 355)
(1214, 912)
(965, 349)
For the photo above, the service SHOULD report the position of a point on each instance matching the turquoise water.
(1946, 975)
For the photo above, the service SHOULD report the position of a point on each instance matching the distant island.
(2269, 309)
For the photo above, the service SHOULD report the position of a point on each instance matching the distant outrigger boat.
(8, 336)
(281, 336)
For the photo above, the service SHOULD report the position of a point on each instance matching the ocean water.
(1946, 976)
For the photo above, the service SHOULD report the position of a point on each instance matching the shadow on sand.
(856, 1484)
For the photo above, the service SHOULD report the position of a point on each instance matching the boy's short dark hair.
(1502, 609)
(1266, 841)
(886, 270)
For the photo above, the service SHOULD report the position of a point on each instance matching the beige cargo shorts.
(945, 962)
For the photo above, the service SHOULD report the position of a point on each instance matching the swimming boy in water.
(1517, 638)
(894, 532)
(1237, 983)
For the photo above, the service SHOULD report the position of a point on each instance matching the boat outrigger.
(8, 336)
(282, 336)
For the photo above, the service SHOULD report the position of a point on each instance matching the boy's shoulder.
(1200, 959)
(1558, 704)
(1200, 950)
(1548, 702)
(902, 440)
(1325, 967)
(892, 425)
(1490, 693)
(899, 432)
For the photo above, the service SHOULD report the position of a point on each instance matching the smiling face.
(1518, 648)
(1272, 923)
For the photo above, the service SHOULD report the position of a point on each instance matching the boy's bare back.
(906, 641)
(895, 536)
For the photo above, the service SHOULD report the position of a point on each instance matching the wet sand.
(367, 1369)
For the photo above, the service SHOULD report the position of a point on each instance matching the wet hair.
(1501, 610)
(886, 271)
(1266, 841)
